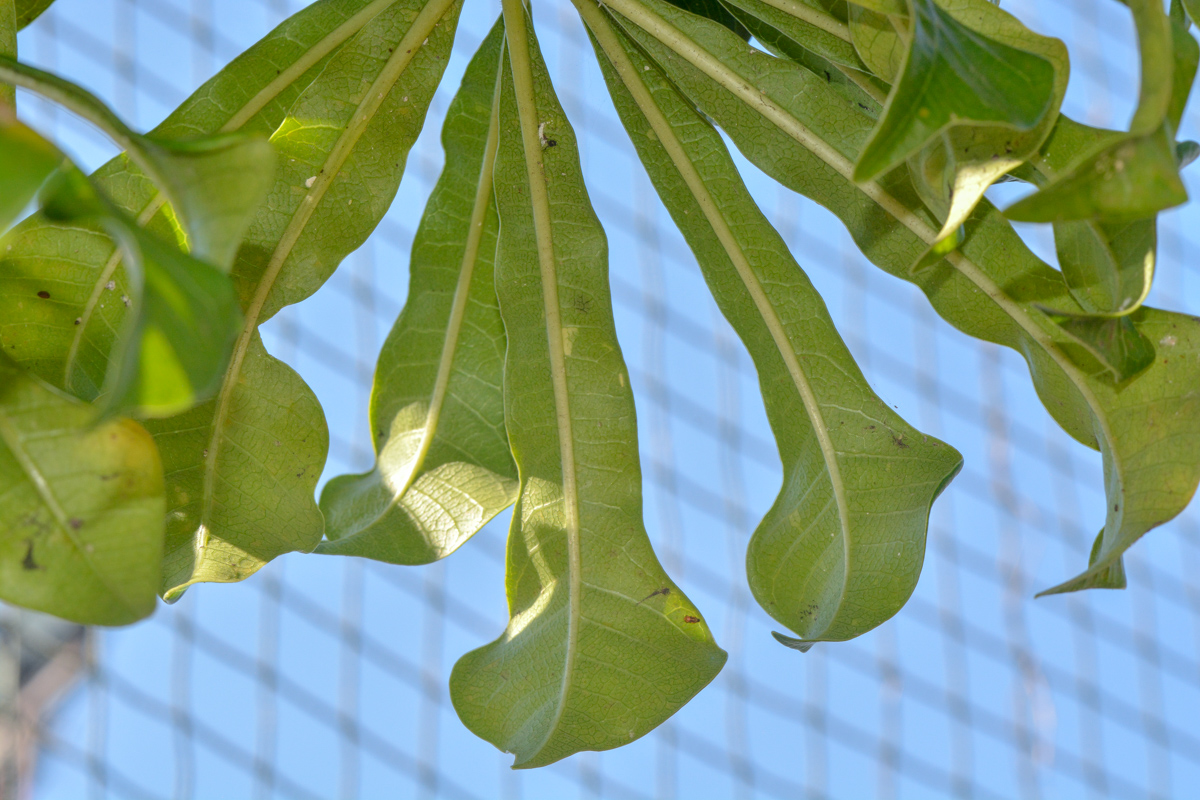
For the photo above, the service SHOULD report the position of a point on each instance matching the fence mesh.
(327, 677)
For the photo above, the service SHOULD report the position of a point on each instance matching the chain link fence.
(326, 677)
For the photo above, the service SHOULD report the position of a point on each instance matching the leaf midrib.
(706, 62)
(253, 106)
(403, 55)
(13, 441)
(523, 86)
(687, 169)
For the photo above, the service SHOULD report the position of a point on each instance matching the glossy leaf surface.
(1113, 341)
(1132, 177)
(807, 136)
(879, 41)
(184, 313)
(808, 23)
(443, 467)
(28, 162)
(68, 342)
(954, 75)
(81, 510)
(242, 469)
(601, 646)
(952, 172)
(214, 184)
(842, 547)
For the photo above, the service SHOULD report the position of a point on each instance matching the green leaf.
(1133, 179)
(81, 514)
(805, 135)
(1107, 266)
(841, 549)
(952, 173)
(714, 10)
(807, 23)
(601, 646)
(881, 6)
(242, 468)
(68, 343)
(443, 466)
(956, 75)
(177, 338)
(29, 10)
(879, 41)
(787, 38)
(214, 184)
(1113, 341)
(1136, 176)
(28, 161)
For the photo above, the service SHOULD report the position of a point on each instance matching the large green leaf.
(952, 172)
(81, 507)
(67, 343)
(807, 136)
(841, 549)
(600, 646)
(1135, 176)
(184, 313)
(242, 469)
(214, 184)
(29, 10)
(443, 466)
(807, 23)
(956, 74)
(879, 40)
(28, 161)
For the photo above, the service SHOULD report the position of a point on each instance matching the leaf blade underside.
(242, 468)
(988, 289)
(443, 467)
(81, 507)
(601, 646)
(841, 549)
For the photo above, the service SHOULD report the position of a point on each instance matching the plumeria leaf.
(841, 549)
(242, 468)
(952, 172)
(178, 336)
(1134, 176)
(215, 184)
(28, 162)
(807, 23)
(956, 75)
(68, 343)
(29, 10)
(1113, 341)
(807, 136)
(589, 604)
(879, 39)
(443, 466)
(81, 514)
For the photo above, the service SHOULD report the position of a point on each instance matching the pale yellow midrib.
(462, 291)
(13, 440)
(687, 170)
(704, 61)
(401, 57)
(520, 60)
(254, 105)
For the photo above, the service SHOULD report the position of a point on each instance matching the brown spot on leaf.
(44, 294)
(28, 563)
(690, 619)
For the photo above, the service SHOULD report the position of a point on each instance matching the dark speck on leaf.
(690, 619)
(863, 107)
(28, 562)
(75, 522)
(899, 441)
(44, 294)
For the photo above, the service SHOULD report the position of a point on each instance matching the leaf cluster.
(148, 441)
